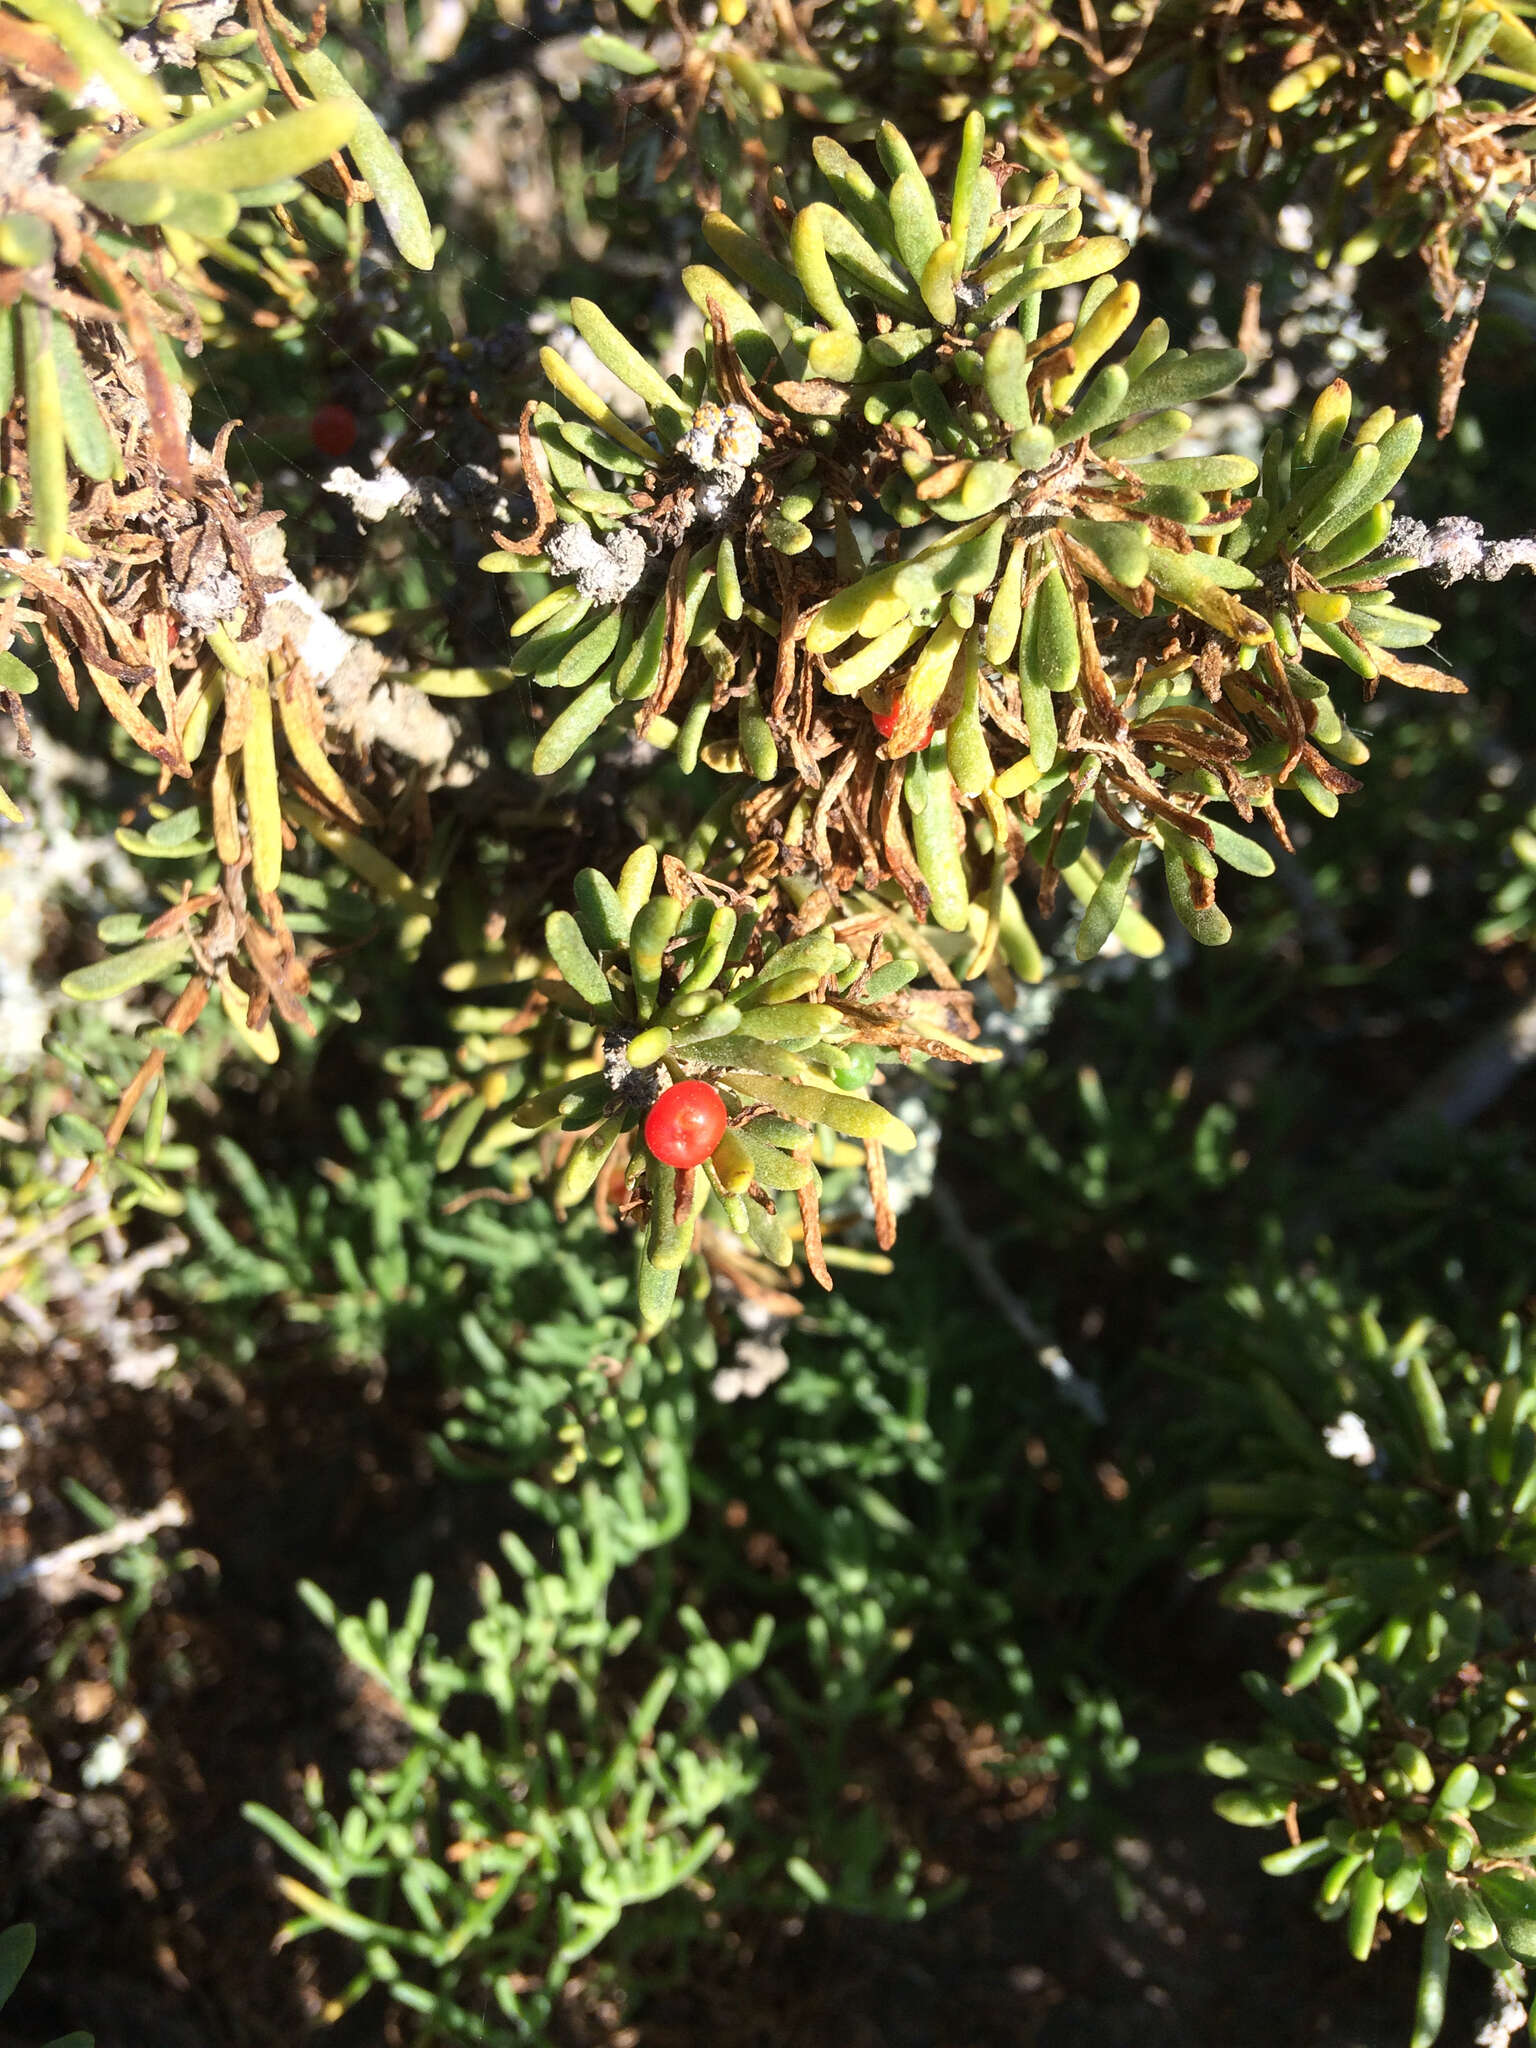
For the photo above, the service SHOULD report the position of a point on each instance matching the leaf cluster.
(1100, 632)
(1396, 1749)
(1404, 126)
(590, 1784)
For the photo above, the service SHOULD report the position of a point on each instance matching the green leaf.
(1184, 508)
(294, 142)
(1222, 1761)
(140, 202)
(938, 840)
(288, 1838)
(814, 271)
(1090, 257)
(1330, 501)
(1362, 537)
(851, 1115)
(1100, 405)
(612, 50)
(1434, 1974)
(16, 1947)
(120, 973)
(587, 1160)
(655, 1294)
(915, 220)
(716, 1023)
(1148, 437)
(623, 358)
(966, 753)
(1151, 346)
(603, 918)
(776, 1022)
(45, 431)
(810, 1881)
(749, 259)
(1106, 904)
(575, 725)
(856, 190)
(571, 954)
(1180, 380)
(650, 932)
(669, 1238)
(1250, 1809)
(1395, 450)
(1008, 373)
(1245, 855)
(86, 434)
(1120, 545)
(209, 120)
(1049, 651)
(850, 250)
(961, 564)
(15, 675)
(1386, 625)
(142, 847)
(1285, 1862)
(1191, 582)
(208, 215)
(815, 951)
(586, 655)
(1365, 1901)
(973, 198)
(1429, 1407)
(1206, 924)
(1455, 1791)
(1201, 472)
(1512, 1897)
(394, 189)
(26, 243)
(986, 486)
(1039, 710)
(702, 282)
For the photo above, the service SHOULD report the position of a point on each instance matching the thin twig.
(1082, 1393)
(1454, 549)
(64, 1565)
(1474, 1080)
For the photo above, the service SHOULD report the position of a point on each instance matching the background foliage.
(562, 1643)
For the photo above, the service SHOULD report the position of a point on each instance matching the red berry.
(334, 430)
(884, 723)
(685, 1124)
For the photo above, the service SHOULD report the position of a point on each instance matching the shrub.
(849, 584)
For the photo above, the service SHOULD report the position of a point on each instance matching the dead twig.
(58, 1573)
(1082, 1393)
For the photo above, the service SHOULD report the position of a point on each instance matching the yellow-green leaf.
(86, 433)
(852, 1115)
(15, 675)
(141, 202)
(294, 142)
(258, 763)
(394, 189)
(208, 215)
(623, 358)
(120, 972)
(209, 120)
(45, 431)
